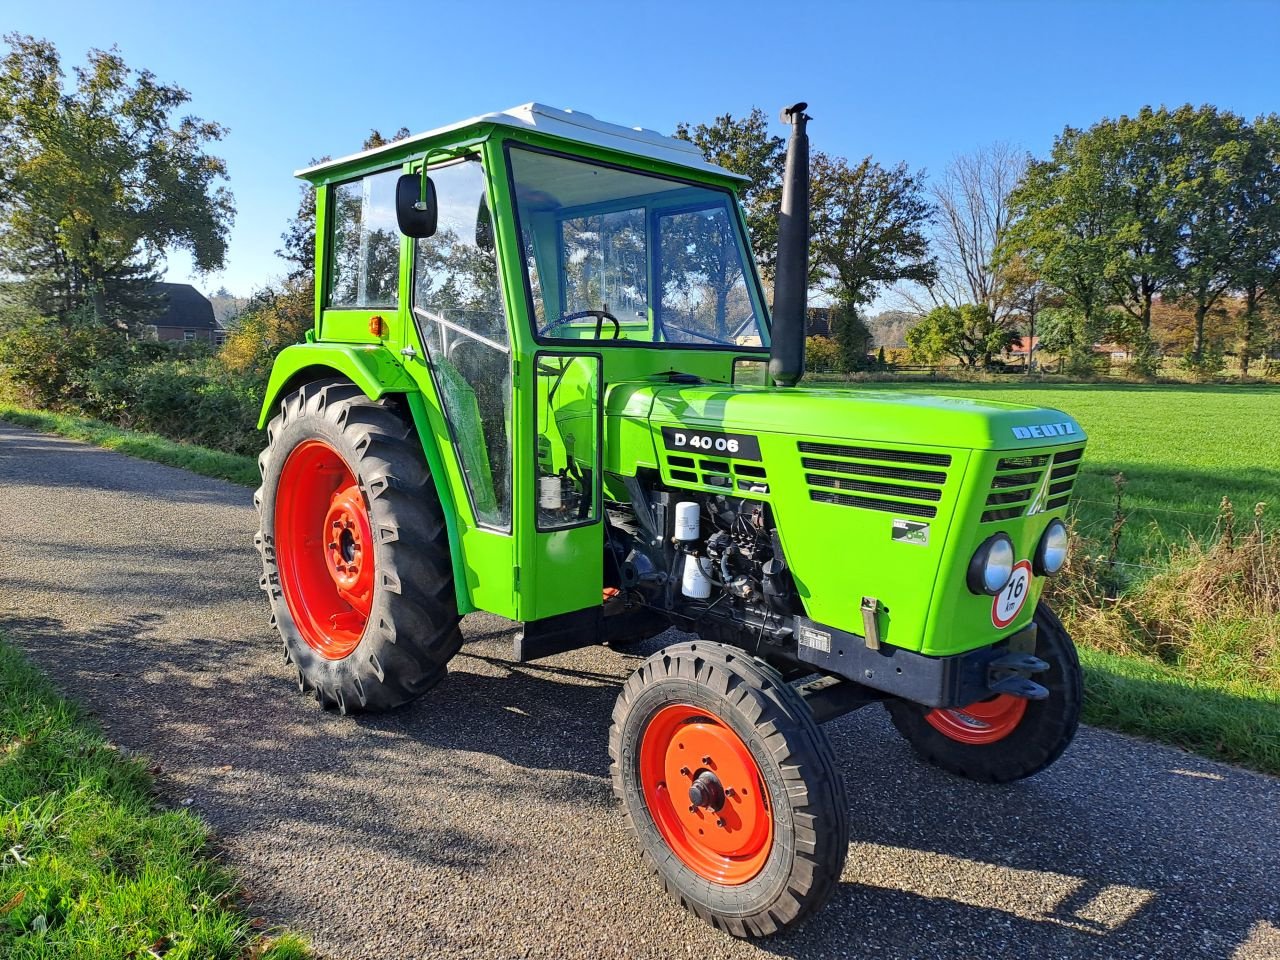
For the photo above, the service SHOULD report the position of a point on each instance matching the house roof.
(1021, 345)
(183, 306)
(566, 124)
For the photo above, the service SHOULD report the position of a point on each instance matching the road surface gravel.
(479, 822)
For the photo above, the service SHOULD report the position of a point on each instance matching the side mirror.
(416, 209)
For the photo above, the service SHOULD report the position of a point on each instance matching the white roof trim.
(569, 125)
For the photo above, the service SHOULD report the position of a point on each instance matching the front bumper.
(951, 681)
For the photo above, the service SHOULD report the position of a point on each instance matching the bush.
(821, 355)
(82, 367)
(198, 402)
(77, 364)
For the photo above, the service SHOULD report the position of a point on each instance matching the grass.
(1233, 720)
(91, 866)
(146, 446)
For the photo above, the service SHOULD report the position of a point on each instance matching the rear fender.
(375, 370)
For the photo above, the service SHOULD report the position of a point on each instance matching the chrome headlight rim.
(980, 566)
(1046, 551)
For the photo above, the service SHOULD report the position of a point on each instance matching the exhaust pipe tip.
(794, 113)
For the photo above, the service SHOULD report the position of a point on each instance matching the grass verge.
(92, 868)
(1144, 697)
(146, 446)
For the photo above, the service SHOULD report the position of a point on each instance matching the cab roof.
(537, 117)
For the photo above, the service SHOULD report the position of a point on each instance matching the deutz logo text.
(1043, 430)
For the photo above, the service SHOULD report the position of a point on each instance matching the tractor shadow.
(1110, 853)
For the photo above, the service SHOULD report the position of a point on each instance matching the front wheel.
(1006, 737)
(730, 787)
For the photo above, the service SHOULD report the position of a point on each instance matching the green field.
(1181, 449)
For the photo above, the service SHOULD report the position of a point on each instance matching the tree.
(272, 320)
(973, 214)
(1062, 232)
(1257, 268)
(745, 146)
(98, 183)
(1137, 173)
(1213, 152)
(969, 332)
(852, 336)
(867, 228)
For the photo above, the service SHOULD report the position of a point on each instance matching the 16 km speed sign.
(1008, 602)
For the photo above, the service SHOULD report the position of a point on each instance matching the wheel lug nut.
(706, 761)
(730, 792)
(684, 772)
(693, 808)
(719, 821)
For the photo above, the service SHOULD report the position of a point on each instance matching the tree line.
(104, 176)
(1167, 208)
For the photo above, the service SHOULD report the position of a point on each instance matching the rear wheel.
(730, 787)
(1006, 737)
(354, 550)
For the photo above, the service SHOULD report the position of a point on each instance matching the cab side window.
(364, 243)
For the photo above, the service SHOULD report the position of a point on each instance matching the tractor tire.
(355, 552)
(752, 835)
(1005, 738)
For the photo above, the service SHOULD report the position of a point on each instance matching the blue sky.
(918, 81)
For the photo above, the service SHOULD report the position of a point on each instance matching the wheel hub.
(347, 536)
(980, 723)
(707, 791)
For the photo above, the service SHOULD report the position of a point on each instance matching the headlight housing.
(1051, 553)
(992, 565)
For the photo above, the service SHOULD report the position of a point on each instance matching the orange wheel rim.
(706, 795)
(980, 723)
(324, 549)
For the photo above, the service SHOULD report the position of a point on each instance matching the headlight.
(992, 565)
(1051, 554)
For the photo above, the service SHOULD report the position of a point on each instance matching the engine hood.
(849, 414)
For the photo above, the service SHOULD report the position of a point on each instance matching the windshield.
(616, 255)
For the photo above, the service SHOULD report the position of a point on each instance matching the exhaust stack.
(791, 278)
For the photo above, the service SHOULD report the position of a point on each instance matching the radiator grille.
(723, 474)
(872, 478)
(1020, 483)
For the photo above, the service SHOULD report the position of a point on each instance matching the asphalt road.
(480, 822)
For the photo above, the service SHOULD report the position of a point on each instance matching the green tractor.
(543, 383)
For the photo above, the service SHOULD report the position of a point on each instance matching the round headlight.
(992, 565)
(1051, 554)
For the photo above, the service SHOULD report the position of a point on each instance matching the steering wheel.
(600, 315)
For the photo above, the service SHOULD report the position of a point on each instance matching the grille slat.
(872, 453)
(1015, 480)
(871, 486)
(875, 470)
(888, 506)
(995, 499)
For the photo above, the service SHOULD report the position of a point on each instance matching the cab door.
(459, 318)
(566, 559)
